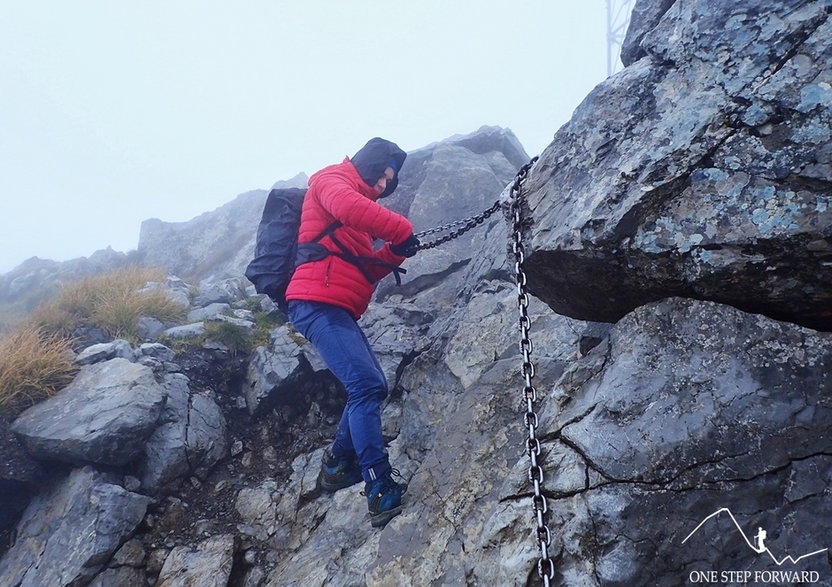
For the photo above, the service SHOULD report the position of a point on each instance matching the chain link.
(467, 224)
(545, 565)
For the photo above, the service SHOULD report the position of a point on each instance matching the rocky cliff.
(677, 235)
(702, 170)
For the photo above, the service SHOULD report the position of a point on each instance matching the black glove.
(407, 248)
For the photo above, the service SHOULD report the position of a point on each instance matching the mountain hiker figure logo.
(759, 544)
(760, 538)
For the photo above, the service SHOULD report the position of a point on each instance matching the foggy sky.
(115, 112)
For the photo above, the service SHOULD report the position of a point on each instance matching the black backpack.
(276, 247)
(276, 250)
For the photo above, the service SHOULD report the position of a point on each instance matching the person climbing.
(326, 296)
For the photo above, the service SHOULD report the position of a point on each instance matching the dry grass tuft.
(113, 301)
(33, 366)
(36, 359)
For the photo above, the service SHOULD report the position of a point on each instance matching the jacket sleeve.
(357, 211)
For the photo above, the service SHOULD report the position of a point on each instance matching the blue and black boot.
(384, 498)
(338, 472)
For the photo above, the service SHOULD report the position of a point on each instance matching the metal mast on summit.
(618, 17)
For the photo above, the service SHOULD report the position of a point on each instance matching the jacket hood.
(344, 170)
(376, 156)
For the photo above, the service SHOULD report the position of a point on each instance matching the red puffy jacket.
(338, 193)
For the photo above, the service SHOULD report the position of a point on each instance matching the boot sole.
(329, 487)
(381, 519)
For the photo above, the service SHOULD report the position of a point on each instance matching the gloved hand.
(407, 248)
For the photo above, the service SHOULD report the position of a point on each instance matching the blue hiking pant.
(347, 352)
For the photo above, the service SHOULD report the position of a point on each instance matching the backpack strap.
(359, 261)
(330, 232)
(314, 250)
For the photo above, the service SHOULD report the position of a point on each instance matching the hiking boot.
(338, 473)
(384, 498)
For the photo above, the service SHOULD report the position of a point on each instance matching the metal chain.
(545, 566)
(467, 224)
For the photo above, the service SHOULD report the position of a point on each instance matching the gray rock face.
(192, 330)
(457, 443)
(643, 19)
(702, 170)
(104, 416)
(686, 408)
(208, 564)
(68, 533)
(396, 332)
(191, 439)
(692, 395)
(105, 351)
(207, 312)
(186, 248)
(224, 291)
(690, 407)
(276, 372)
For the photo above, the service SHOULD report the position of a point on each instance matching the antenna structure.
(618, 17)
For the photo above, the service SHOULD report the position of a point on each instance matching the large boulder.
(68, 533)
(702, 170)
(689, 408)
(104, 416)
